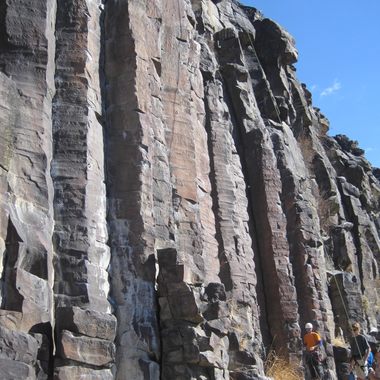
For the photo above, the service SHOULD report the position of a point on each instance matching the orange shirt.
(311, 339)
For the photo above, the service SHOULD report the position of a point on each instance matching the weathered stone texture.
(80, 233)
(18, 346)
(81, 373)
(11, 369)
(27, 48)
(171, 205)
(86, 322)
(93, 351)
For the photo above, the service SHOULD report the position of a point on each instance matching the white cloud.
(331, 89)
(314, 87)
(370, 149)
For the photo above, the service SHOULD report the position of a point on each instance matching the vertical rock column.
(276, 53)
(80, 234)
(26, 219)
(230, 204)
(306, 245)
(237, 264)
(338, 181)
(182, 97)
(194, 299)
(356, 238)
(311, 199)
(136, 163)
(263, 178)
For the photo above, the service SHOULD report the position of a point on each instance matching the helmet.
(308, 326)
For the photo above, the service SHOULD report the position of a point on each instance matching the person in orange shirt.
(313, 341)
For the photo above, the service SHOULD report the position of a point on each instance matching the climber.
(313, 343)
(360, 350)
(374, 371)
(370, 361)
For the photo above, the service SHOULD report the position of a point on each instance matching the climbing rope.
(174, 113)
(346, 311)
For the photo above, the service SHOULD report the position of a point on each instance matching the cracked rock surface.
(171, 204)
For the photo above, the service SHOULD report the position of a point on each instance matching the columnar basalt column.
(27, 47)
(81, 283)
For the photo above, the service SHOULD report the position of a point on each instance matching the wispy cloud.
(369, 149)
(336, 86)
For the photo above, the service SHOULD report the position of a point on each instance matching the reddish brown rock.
(171, 205)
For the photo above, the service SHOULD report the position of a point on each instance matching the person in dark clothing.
(374, 371)
(360, 350)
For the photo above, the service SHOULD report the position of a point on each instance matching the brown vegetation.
(280, 369)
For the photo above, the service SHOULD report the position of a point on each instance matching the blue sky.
(339, 60)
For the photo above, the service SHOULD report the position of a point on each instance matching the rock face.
(171, 205)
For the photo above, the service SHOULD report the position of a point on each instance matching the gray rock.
(93, 351)
(10, 319)
(79, 373)
(166, 184)
(11, 370)
(86, 322)
(18, 346)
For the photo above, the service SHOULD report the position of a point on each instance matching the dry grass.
(365, 304)
(280, 369)
(339, 342)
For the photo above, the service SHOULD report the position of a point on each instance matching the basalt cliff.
(171, 204)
